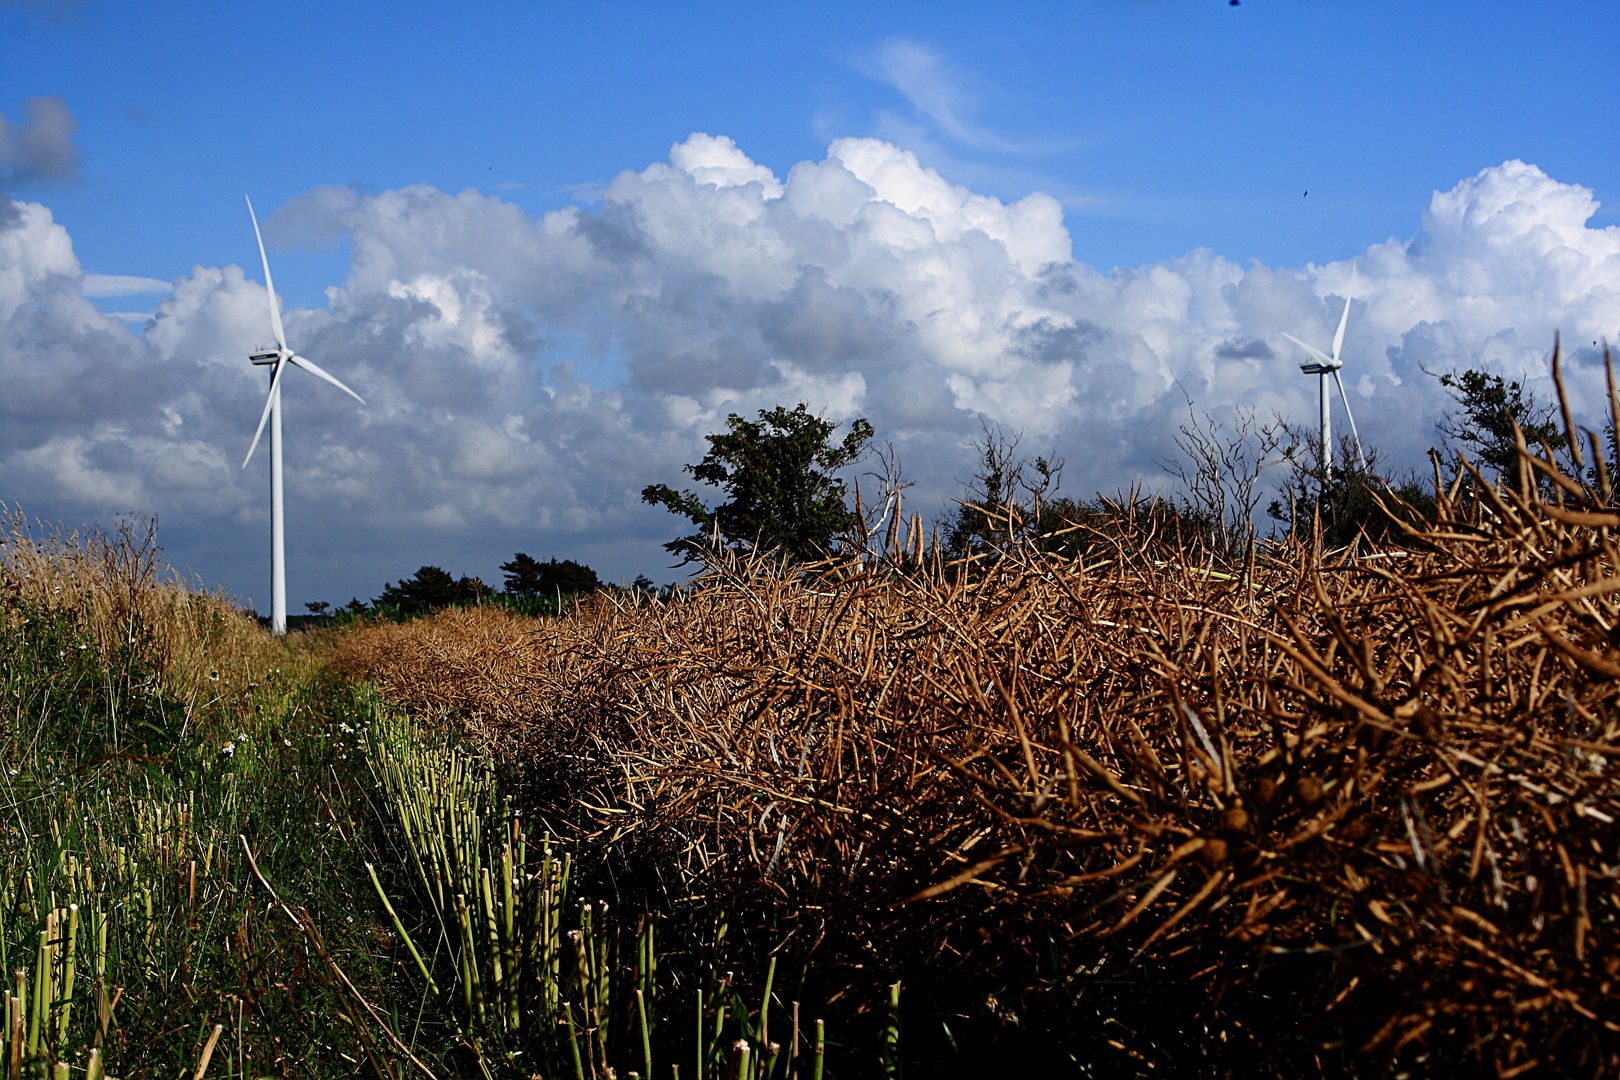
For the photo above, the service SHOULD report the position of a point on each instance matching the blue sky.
(1165, 126)
(1159, 128)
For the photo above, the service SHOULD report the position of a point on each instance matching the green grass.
(123, 811)
(402, 919)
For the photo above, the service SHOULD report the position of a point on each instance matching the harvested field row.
(1315, 812)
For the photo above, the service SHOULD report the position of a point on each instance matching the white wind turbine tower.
(1322, 366)
(272, 412)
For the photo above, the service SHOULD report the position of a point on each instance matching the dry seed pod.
(1213, 852)
(1354, 831)
(1308, 791)
(1428, 722)
(1265, 791)
(1234, 819)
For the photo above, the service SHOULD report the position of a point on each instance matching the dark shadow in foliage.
(1219, 473)
(1604, 472)
(1010, 498)
(431, 587)
(779, 476)
(1011, 502)
(528, 576)
(1350, 502)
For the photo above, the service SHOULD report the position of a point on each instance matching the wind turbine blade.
(316, 370)
(269, 401)
(1361, 459)
(275, 312)
(1318, 354)
(1338, 338)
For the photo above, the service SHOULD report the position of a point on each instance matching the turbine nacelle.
(283, 355)
(1326, 366)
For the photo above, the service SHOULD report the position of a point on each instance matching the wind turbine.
(272, 413)
(1322, 365)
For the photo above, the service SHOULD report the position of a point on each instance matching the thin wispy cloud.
(938, 91)
(98, 286)
(947, 124)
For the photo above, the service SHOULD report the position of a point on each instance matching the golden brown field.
(1324, 811)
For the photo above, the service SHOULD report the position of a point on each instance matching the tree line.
(783, 493)
(529, 585)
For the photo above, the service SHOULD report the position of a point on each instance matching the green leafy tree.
(1482, 424)
(431, 587)
(779, 475)
(527, 576)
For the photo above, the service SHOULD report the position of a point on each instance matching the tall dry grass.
(1321, 811)
(113, 593)
(154, 742)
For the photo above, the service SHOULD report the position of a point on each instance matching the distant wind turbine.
(1322, 366)
(272, 413)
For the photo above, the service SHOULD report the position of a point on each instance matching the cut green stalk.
(67, 976)
(508, 936)
(492, 935)
(400, 929)
(42, 974)
(573, 1041)
(719, 1029)
(765, 1005)
(471, 995)
(646, 1037)
(891, 1036)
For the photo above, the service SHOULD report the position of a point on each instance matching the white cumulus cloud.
(526, 377)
